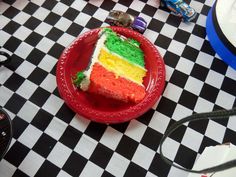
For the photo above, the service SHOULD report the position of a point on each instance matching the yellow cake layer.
(121, 67)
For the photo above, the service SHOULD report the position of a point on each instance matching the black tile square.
(16, 61)
(56, 93)
(93, 23)
(107, 174)
(219, 66)
(40, 96)
(71, 14)
(42, 119)
(49, 4)
(182, 36)
(30, 8)
(178, 78)
(47, 169)
(162, 41)
(11, 27)
(18, 126)
(19, 173)
(14, 82)
(187, 160)
(65, 113)
(89, 9)
(125, 2)
(188, 99)
(19, 149)
(54, 34)
(151, 139)
(37, 76)
(74, 29)
(173, 20)
(75, 164)
(199, 126)
(56, 50)
(229, 136)
(53, 70)
(11, 12)
(108, 5)
(171, 59)
(33, 39)
(9, 1)
(178, 134)
(15, 103)
(229, 86)
(32, 23)
(127, 147)
(70, 137)
(209, 92)
(67, 2)
(132, 12)
(149, 10)
(120, 127)
(146, 117)
(52, 18)
(35, 57)
(44, 145)
(205, 10)
(12, 44)
(199, 31)
(207, 142)
(190, 53)
(95, 130)
(158, 167)
(101, 155)
(166, 106)
(206, 47)
(199, 72)
(155, 25)
(135, 170)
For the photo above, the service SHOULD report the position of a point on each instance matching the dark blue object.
(119, 18)
(180, 8)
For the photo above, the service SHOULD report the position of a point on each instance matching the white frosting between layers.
(226, 16)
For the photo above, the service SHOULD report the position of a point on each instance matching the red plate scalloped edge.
(80, 103)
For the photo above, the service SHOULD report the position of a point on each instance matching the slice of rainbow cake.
(116, 70)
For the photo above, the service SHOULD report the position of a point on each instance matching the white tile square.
(214, 79)
(3, 6)
(137, 5)
(176, 47)
(91, 170)
(192, 139)
(204, 59)
(187, 26)
(5, 95)
(159, 122)
(185, 65)
(63, 174)
(215, 131)
(195, 42)
(59, 154)
(201, 20)
(24, 50)
(149, 174)
(180, 112)
(120, 7)
(39, 3)
(60, 8)
(4, 37)
(53, 104)
(193, 85)
(197, 6)
(117, 165)
(43, 28)
(225, 100)
(49, 83)
(25, 69)
(111, 138)
(5, 73)
(96, 3)
(168, 30)
(26, 89)
(202, 105)
(135, 130)
(169, 72)
(231, 73)
(28, 111)
(56, 128)
(85, 146)
(172, 92)
(66, 39)
(82, 19)
(47, 63)
(45, 44)
(170, 148)
(143, 156)
(22, 33)
(79, 5)
(174, 172)
(30, 136)
(41, 13)
(80, 123)
(101, 14)
(151, 35)
(231, 123)
(20, 4)
(6, 168)
(161, 15)
(4, 21)
(63, 24)
(21, 18)
(31, 164)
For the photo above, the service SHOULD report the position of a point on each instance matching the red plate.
(97, 108)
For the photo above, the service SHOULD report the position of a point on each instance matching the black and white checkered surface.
(50, 140)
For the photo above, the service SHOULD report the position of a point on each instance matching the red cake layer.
(108, 84)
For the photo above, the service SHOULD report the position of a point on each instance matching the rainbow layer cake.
(116, 69)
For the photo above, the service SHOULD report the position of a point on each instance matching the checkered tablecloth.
(50, 140)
